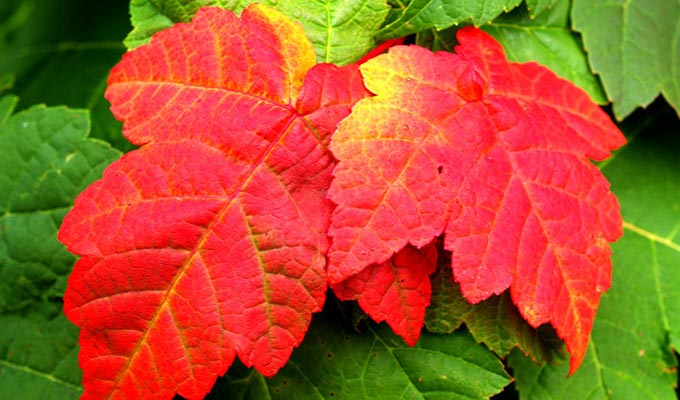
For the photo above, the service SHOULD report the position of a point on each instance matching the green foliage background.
(57, 135)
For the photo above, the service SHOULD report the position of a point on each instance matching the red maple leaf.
(209, 241)
(493, 154)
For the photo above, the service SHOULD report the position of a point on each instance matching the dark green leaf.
(46, 159)
(495, 322)
(61, 53)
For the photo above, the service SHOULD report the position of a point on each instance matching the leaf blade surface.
(208, 242)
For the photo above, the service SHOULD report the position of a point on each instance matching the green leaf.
(341, 30)
(336, 362)
(45, 161)
(420, 15)
(537, 7)
(38, 358)
(495, 322)
(630, 355)
(548, 40)
(635, 47)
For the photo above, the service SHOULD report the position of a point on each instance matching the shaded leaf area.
(341, 31)
(635, 48)
(46, 159)
(413, 16)
(637, 326)
(208, 241)
(495, 322)
(60, 54)
(492, 154)
(337, 362)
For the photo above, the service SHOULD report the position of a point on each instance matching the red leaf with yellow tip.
(397, 291)
(494, 155)
(209, 241)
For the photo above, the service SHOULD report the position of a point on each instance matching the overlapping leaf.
(396, 291)
(208, 242)
(493, 154)
(494, 321)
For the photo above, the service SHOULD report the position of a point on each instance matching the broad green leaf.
(45, 161)
(336, 362)
(630, 355)
(341, 31)
(548, 40)
(496, 322)
(634, 45)
(38, 358)
(420, 15)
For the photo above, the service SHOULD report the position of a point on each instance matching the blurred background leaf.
(60, 53)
